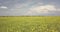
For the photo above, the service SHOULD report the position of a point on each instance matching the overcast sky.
(29, 7)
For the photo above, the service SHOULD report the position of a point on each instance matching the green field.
(30, 24)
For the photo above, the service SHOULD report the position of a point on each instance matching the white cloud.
(41, 9)
(58, 9)
(4, 7)
(19, 7)
(40, 3)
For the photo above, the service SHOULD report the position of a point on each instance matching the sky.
(29, 7)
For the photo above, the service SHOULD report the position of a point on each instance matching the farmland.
(30, 24)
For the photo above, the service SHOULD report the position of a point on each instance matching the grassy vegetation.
(30, 24)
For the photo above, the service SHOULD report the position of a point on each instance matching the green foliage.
(30, 24)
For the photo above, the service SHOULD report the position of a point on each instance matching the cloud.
(41, 9)
(58, 9)
(0, 3)
(4, 7)
(29, 7)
